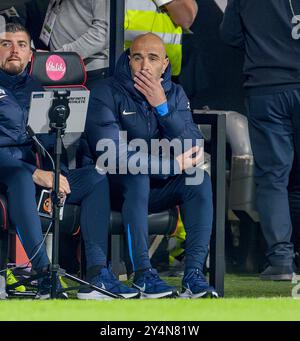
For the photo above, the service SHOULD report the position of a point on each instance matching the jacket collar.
(12, 82)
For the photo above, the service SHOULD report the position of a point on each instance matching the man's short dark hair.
(15, 27)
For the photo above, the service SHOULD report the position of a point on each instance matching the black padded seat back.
(162, 223)
(64, 70)
(3, 212)
(70, 223)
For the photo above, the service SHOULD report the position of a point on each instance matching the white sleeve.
(160, 3)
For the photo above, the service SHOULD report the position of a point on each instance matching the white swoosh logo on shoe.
(128, 112)
(143, 288)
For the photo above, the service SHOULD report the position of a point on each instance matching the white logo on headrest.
(55, 67)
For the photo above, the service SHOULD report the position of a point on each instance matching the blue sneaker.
(106, 280)
(151, 286)
(44, 288)
(194, 285)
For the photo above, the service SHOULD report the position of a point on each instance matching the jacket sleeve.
(8, 137)
(7, 160)
(178, 122)
(103, 128)
(231, 29)
(29, 166)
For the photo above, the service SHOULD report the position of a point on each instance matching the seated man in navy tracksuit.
(19, 174)
(141, 100)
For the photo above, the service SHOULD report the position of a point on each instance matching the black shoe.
(44, 288)
(297, 263)
(277, 273)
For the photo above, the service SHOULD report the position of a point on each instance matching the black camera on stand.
(60, 110)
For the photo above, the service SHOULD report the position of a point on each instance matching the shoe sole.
(131, 296)
(168, 294)
(95, 295)
(63, 296)
(203, 294)
(283, 277)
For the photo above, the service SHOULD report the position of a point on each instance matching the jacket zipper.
(147, 109)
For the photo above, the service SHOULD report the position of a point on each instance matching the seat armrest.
(3, 213)
(217, 121)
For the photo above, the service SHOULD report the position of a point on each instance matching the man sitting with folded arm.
(142, 101)
(19, 175)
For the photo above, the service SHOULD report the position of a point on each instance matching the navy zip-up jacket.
(115, 105)
(270, 36)
(16, 148)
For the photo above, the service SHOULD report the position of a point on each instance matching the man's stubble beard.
(11, 69)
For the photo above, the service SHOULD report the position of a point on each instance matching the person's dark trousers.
(136, 195)
(274, 127)
(22, 211)
(88, 188)
(294, 201)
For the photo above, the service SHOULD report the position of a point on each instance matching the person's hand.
(150, 87)
(45, 179)
(187, 160)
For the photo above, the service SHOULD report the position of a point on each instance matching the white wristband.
(160, 3)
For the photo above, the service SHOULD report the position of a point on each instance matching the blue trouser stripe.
(130, 246)
(19, 236)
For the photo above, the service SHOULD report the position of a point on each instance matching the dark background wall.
(211, 72)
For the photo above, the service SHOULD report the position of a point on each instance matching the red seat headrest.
(55, 69)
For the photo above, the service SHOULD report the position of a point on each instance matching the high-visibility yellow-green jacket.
(142, 16)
